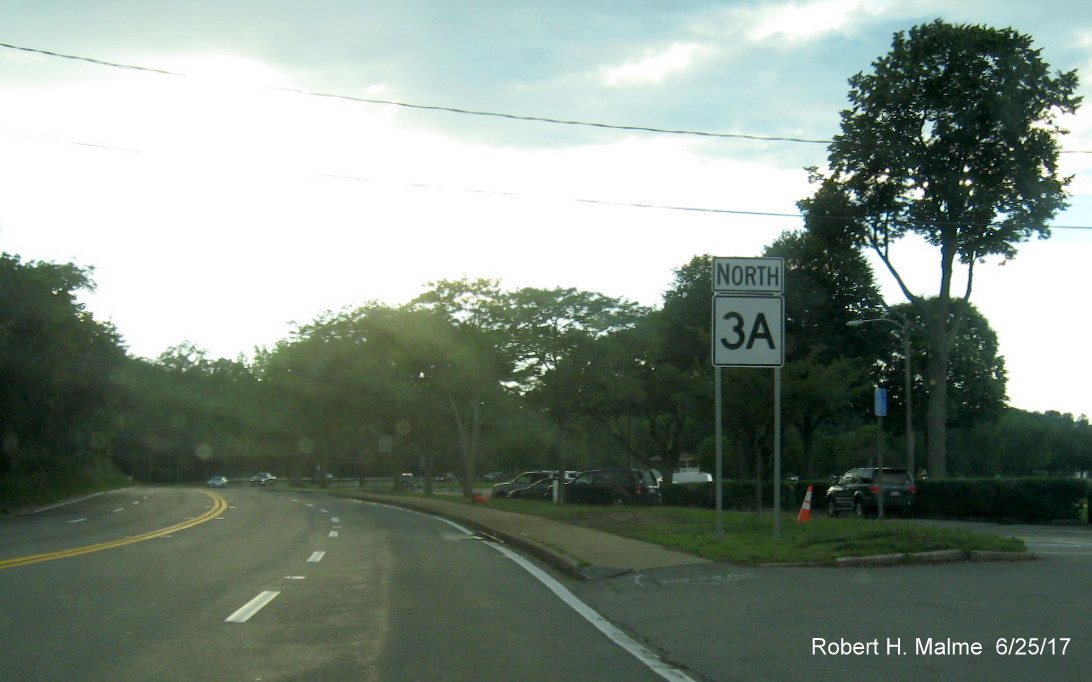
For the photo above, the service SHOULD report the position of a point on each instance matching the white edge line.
(633, 647)
(67, 502)
(251, 607)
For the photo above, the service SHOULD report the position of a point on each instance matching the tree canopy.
(953, 137)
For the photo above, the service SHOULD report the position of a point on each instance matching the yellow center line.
(219, 505)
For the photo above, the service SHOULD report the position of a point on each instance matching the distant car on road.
(264, 479)
(613, 486)
(857, 491)
(217, 482)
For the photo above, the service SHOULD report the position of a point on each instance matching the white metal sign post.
(748, 331)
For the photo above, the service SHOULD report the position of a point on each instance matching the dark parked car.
(613, 486)
(524, 480)
(857, 492)
(541, 491)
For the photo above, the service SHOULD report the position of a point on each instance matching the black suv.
(613, 486)
(857, 491)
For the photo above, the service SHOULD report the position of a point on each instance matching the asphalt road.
(1029, 620)
(268, 585)
(276, 586)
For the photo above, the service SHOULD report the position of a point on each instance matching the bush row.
(740, 495)
(1011, 499)
(1003, 499)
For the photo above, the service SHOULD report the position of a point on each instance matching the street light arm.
(858, 323)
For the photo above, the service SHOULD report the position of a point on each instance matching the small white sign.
(749, 275)
(748, 331)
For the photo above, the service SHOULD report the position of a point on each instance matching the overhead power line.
(630, 204)
(91, 60)
(460, 110)
(473, 112)
(602, 202)
(437, 107)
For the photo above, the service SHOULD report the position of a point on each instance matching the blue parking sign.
(881, 402)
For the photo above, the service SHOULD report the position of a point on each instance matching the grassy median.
(748, 537)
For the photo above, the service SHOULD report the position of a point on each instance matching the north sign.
(748, 275)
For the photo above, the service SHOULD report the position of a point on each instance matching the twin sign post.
(749, 331)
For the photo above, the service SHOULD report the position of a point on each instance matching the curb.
(554, 557)
(943, 556)
(575, 568)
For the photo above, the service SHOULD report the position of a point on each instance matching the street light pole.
(904, 331)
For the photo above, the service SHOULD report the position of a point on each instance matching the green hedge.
(740, 495)
(1021, 499)
(1003, 499)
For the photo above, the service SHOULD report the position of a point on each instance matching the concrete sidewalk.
(579, 552)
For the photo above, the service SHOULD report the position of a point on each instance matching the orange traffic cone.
(805, 509)
(480, 499)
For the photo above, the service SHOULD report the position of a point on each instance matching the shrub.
(1012, 500)
(998, 499)
(740, 495)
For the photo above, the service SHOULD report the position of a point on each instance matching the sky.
(251, 188)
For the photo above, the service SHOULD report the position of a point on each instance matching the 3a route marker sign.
(748, 312)
(748, 331)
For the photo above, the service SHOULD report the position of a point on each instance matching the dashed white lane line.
(119, 509)
(77, 520)
(334, 533)
(251, 607)
(334, 519)
(316, 557)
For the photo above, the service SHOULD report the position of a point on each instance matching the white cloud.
(651, 68)
(797, 20)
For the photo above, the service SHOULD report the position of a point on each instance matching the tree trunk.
(936, 416)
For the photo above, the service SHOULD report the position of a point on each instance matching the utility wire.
(435, 107)
(634, 204)
(473, 112)
(472, 190)
(100, 62)
(459, 110)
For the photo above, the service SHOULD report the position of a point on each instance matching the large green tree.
(58, 371)
(952, 137)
